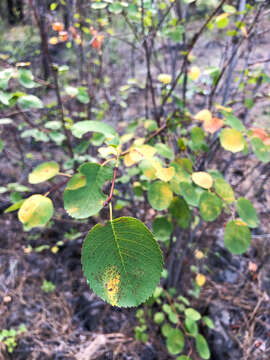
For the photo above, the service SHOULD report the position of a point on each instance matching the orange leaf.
(58, 26)
(213, 125)
(97, 42)
(262, 134)
(63, 35)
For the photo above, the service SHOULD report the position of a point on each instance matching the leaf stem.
(110, 207)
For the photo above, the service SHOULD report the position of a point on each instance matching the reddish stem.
(109, 199)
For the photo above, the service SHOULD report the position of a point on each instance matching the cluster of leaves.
(8, 337)
(122, 260)
(177, 322)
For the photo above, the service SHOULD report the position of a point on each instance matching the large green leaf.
(247, 212)
(83, 127)
(122, 261)
(237, 237)
(175, 341)
(210, 206)
(202, 347)
(35, 211)
(160, 195)
(83, 196)
(180, 211)
(43, 172)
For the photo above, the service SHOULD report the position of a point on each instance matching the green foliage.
(9, 337)
(160, 161)
(47, 286)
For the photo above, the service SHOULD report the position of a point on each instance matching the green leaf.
(83, 96)
(180, 211)
(159, 195)
(173, 317)
(208, 322)
(181, 175)
(247, 212)
(159, 317)
(191, 326)
(36, 134)
(189, 193)
(162, 228)
(224, 190)
(83, 127)
(26, 78)
(260, 150)
(99, 5)
(5, 76)
(83, 196)
(202, 347)
(35, 211)
(164, 151)
(197, 136)
(165, 330)
(175, 341)
(122, 261)
(1, 145)
(116, 8)
(183, 357)
(5, 97)
(192, 314)
(30, 101)
(234, 122)
(237, 237)
(43, 172)
(210, 206)
(14, 206)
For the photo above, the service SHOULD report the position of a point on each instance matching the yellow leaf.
(164, 78)
(199, 254)
(244, 31)
(202, 179)
(232, 140)
(200, 279)
(194, 73)
(222, 16)
(125, 138)
(203, 115)
(106, 151)
(165, 174)
(53, 40)
(221, 107)
(55, 249)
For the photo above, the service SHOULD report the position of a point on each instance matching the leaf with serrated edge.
(122, 261)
